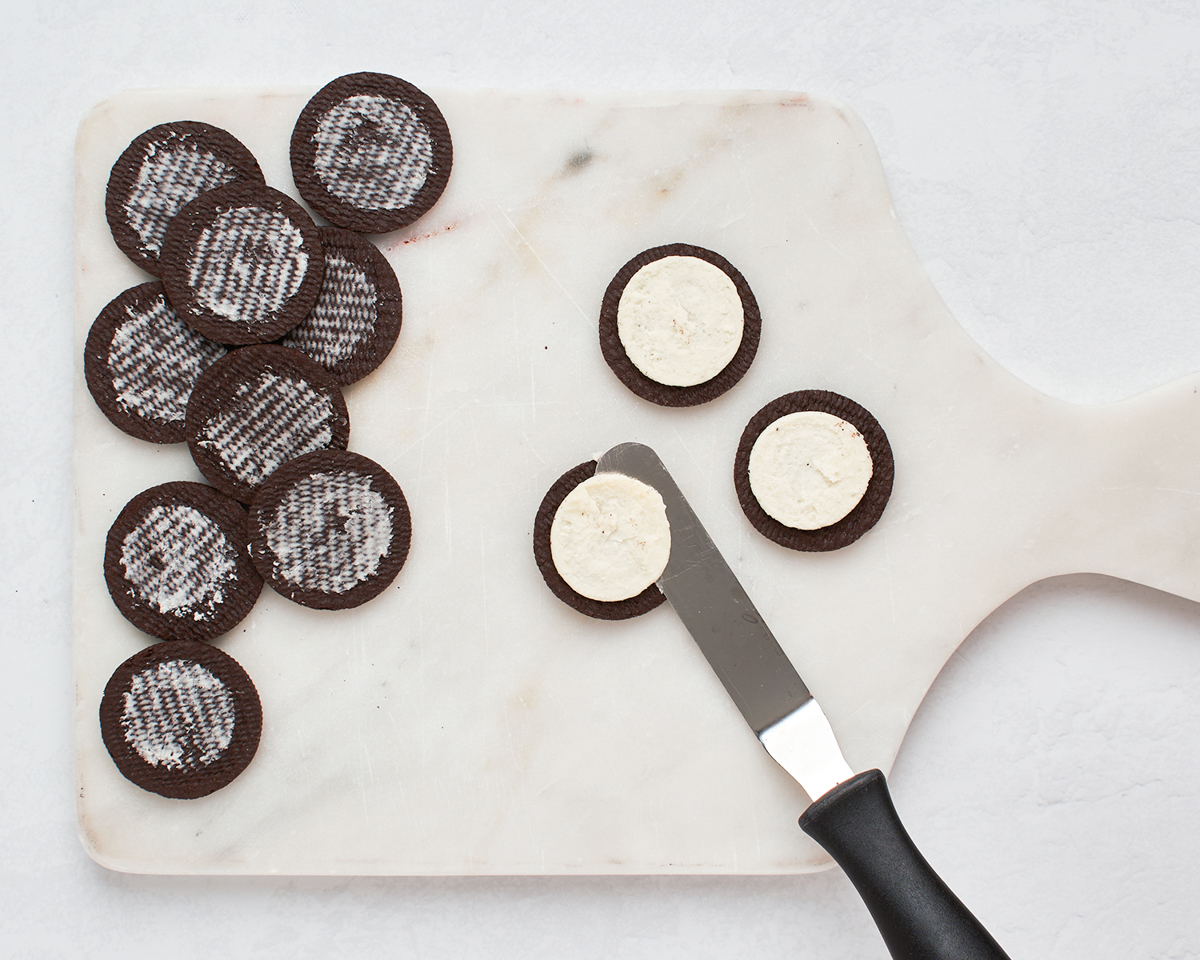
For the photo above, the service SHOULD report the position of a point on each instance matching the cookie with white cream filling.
(813, 471)
(679, 325)
(642, 602)
(355, 322)
(257, 408)
(242, 263)
(141, 362)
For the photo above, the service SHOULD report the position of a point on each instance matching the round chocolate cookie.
(356, 319)
(663, 394)
(181, 719)
(330, 530)
(868, 509)
(242, 263)
(255, 409)
(371, 152)
(176, 562)
(141, 362)
(162, 171)
(644, 602)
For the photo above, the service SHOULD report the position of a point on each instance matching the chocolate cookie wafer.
(257, 408)
(617, 306)
(330, 530)
(141, 362)
(181, 719)
(371, 152)
(162, 171)
(356, 319)
(176, 562)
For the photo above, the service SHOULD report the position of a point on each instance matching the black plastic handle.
(917, 914)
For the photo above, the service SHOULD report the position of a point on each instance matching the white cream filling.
(610, 538)
(680, 320)
(809, 469)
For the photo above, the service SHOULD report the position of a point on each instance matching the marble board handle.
(917, 914)
(1136, 515)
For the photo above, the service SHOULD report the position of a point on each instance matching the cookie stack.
(241, 348)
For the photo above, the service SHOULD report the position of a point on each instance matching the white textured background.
(1044, 159)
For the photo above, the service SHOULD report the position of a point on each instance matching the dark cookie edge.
(184, 785)
(660, 393)
(644, 602)
(267, 499)
(868, 510)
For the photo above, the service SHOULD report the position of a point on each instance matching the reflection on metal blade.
(712, 604)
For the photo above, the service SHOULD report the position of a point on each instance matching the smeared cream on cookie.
(808, 470)
(179, 562)
(610, 538)
(330, 531)
(680, 320)
(178, 715)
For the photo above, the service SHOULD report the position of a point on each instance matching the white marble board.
(466, 721)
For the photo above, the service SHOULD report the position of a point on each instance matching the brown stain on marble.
(445, 228)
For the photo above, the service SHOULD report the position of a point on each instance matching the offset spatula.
(852, 815)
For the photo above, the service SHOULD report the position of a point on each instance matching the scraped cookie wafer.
(141, 362)
(162, 171)
(356, 319)
(371, 152)
(330, 530)
(176, 562)
(681, 304)
(644, 602)
(181, 719)
(242, 263)
(257, 408)
(869, 508)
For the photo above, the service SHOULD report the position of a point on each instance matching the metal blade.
(733, 636)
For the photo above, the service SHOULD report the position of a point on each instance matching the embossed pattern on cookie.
(371, 152)
(181, 719)
(162, 171)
